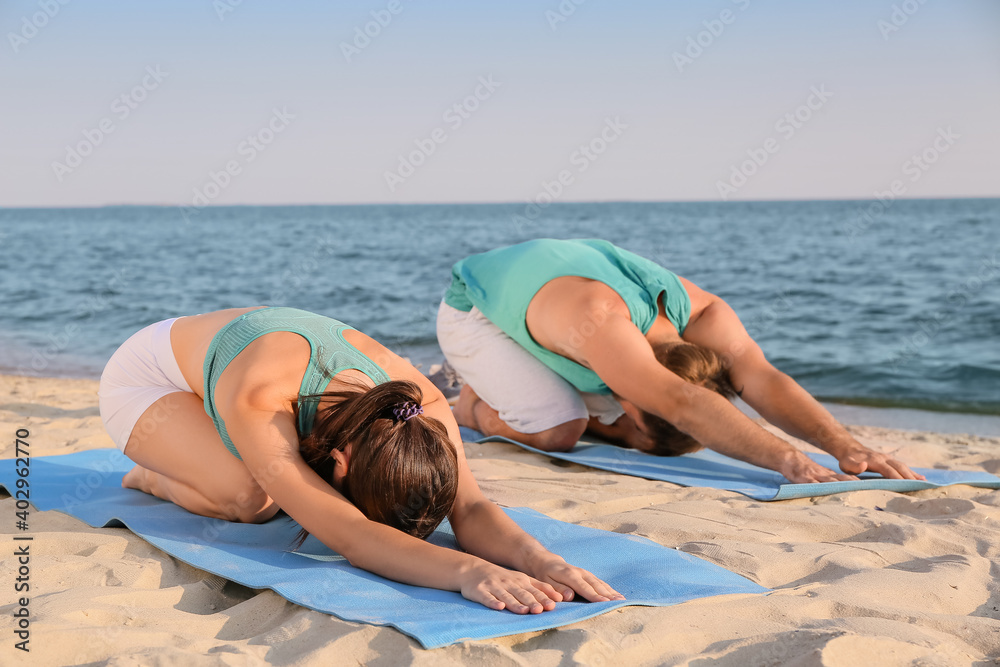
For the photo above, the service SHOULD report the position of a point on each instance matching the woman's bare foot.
(465, 408)
(136, 479)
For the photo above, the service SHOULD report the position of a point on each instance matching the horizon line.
(502, 203)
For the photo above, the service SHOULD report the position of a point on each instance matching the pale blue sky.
(892, 95)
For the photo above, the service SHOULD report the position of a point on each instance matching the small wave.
(927, 405)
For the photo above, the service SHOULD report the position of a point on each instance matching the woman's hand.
(568, 579)
(858, 459)
(499, 588)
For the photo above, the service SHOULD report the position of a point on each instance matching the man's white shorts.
(529, 396)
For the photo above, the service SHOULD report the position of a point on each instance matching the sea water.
(893, 304)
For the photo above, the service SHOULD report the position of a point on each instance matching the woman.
(218, 409)
(554, 338)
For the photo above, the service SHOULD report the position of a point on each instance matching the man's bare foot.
(465, 409)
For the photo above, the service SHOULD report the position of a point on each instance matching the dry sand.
(861, 578)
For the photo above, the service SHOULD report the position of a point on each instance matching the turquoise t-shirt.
(502, 282)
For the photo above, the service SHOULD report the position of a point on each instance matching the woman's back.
(282, 356)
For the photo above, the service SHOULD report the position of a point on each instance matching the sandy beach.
(868, 577)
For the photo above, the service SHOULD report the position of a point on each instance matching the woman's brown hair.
(697, 365)
(402, 472)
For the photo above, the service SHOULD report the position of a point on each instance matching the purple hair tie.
(407, 411)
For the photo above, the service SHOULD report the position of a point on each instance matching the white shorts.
(139, 373)
(529, 395)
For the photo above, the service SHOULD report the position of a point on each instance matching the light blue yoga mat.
(716, 471)
(87, 485)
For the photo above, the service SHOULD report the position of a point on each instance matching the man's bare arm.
(776, 396)
(619, 353)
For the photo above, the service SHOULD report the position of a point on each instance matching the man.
(554, 338)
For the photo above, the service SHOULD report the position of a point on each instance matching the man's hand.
(858, 459)
(777, 397)
(800, 469)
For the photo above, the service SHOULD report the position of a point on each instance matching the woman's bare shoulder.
(190, 337)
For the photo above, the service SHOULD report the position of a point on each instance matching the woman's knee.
(247, 505)
(261, 514)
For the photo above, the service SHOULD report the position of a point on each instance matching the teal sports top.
(502, 282)
(330, 354)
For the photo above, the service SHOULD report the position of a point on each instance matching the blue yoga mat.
(87, 485)
(716, 471)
